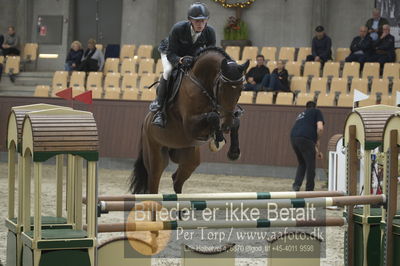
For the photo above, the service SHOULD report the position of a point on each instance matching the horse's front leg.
(234, 149)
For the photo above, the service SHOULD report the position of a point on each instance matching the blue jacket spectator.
(321, 46)
(256, 75)
(383, 48)
(361, 47)
(74, 57)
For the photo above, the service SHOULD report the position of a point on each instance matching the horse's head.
(230, 87)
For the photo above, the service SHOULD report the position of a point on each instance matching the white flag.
(359, 96)
(397, 98)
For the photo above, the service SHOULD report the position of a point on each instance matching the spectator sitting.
(256, 74)
(383, 48)
(74, 56)
(278, 80)
(92, 59)
(361, 47)
(375, 24)
(321, 46)
(11, 42)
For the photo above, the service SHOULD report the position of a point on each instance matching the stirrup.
(159, 120)
(154, 106)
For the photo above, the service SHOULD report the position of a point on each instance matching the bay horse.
(203, 108)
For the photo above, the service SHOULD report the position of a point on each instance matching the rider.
(185, 40)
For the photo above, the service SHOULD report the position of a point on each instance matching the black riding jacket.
(180, 41)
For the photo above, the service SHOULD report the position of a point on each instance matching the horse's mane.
(213, 49)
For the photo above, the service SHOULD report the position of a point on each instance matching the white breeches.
(167, 66)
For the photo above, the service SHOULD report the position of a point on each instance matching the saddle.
(173, 83)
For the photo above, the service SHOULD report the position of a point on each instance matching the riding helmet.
(198, 11)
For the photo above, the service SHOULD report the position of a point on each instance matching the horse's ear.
(224, 66)
(244, 66)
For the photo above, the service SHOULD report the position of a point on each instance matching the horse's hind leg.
(188, 159)
(156, 161)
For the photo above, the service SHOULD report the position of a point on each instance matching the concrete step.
(31, 78)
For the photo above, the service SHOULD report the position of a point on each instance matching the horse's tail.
(139, 176)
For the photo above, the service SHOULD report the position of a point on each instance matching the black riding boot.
(158, 105)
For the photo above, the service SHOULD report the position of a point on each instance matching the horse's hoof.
(233, 156)
(216, 146)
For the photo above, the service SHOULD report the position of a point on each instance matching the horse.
(205, 107)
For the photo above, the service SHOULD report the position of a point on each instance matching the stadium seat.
(351, 69)
(250, 52)
(127, 51)
(233, 52)
(284, 98)
(293, 68)
(130, 95)
(159, 67)
(380, 86)
(111, 66)
(30, 51)
(112, 51)
(326, 99)
(12, 65)
(94, 82)
(345, 100)
(318, 84)
(252, 63)
(77, 80)
(271, 65)
(59, 80)
(111, 82)
(303, 53)
(360, 85)
(42, 91)
(303, 98)
(339, 85)
(97, 93)
(145, 51)
(146, 80)
(246, 97)
(99, 47)
(298, 84)
(331, 69)
(128, 66)
(367, 102)
(397, 54)
(1, 59)
(269, 53)
(388, 100)
(129, 81)
(148, 95)
(395, 87)
(391, 70)
(341, 54)
(287, 53)
(312, 69)
(264, 97)
(370, 70)
(112, 94)
(146, 66)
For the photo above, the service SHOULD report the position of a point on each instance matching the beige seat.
(345, 100)
(130, 95)
(271, 65)
(287, 53)
(371, 70)
(284, 98)
(380, 86)
(351, 69)
(111, 82)
(233, 52)
(395, 87)
(341, 54)
(97, 93)
(77, 80)
(303, 53)
(159, 67)
(250, 52)
(129, 82)
(303, 98)
(128, 66)
(146, 66)
(368, 102)
(397, 54)
(246, 97)
(269, 53)
(339, 85)
(146, 80)
(94, 82)
(360, 85)
(59, 80)
(42, 91)
(264, 97)
(112, 94)
(127, 51)
(331, 69)
(312, 69)
(1, 59)
(111, 66)
(252, 63)
(326, 99)
(145, 51)
(318, 84)
(299, 84)
(12, 65)
(30, 51)
(99, 47)
(388, 100)
(391, 70)
(293, 68)
(148, 95)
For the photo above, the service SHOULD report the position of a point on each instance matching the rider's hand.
(186, 61)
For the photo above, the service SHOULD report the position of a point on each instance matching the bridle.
(219, 81)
